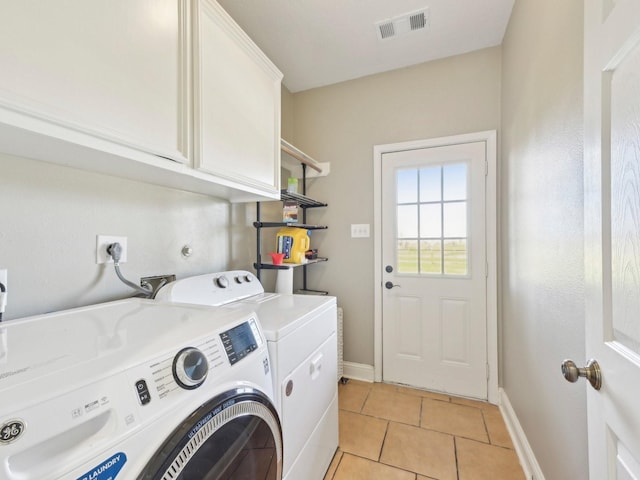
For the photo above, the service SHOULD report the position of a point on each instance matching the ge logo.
(11, 431)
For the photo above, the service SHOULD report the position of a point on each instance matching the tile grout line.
(455, 453)
(384, 439)
(486, 428)
(395, 467)
(335, 471)
(369, 390)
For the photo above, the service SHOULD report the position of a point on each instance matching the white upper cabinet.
(121, 87)
(105, 68)
(237, 103)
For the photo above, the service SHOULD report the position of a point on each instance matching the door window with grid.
(431, 220)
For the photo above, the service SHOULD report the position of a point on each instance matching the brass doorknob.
(591, 372)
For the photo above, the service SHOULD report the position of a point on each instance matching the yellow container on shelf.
(293, 242)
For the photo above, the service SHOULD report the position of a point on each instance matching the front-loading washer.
(301, 333)
(137, 389)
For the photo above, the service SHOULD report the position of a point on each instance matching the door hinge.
(486, 168)
(488, 372)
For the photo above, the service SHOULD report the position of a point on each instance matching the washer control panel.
(189, 367)
(241, 340)
(185, 369)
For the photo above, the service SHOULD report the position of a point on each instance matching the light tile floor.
(388, 432)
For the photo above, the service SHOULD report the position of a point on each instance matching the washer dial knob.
(222, 281)
(190, 368)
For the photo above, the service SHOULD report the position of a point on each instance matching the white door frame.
(489, 137)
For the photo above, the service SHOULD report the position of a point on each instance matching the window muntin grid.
(432, 221)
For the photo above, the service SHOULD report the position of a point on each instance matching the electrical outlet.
(3, 304)
(103, 241)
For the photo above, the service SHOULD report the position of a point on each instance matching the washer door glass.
(234, 436)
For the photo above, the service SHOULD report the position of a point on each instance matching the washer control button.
(143, 392)
(222, 281)
(190, 368)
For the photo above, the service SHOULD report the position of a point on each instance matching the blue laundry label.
(287, 245)
(107, 470)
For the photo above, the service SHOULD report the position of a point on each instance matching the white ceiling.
(321, 42)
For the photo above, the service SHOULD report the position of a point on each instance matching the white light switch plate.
(359, 230)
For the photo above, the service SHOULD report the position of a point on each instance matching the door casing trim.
(491, 215)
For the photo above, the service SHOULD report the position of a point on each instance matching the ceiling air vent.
(402, 24)
(417, 21)
(386, 30)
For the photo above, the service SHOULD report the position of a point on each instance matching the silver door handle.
(591, 372)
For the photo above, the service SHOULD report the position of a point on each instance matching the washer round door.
(234, 436)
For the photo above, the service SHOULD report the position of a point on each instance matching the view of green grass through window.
(431, 215)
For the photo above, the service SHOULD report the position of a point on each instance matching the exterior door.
(612, 228)
(434, 315)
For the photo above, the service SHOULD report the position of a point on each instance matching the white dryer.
(301, 333)
(137, 389)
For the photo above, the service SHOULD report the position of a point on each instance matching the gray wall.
(342, 123)
(52, 214)
(542, 230)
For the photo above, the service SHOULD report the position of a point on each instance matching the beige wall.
(542, 230)
(52, 214)
(287, 124)
(342, 123)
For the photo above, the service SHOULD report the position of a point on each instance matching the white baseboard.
(358, 371)
(528, 460)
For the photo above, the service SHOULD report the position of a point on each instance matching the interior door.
(612, 227)
(434, 315)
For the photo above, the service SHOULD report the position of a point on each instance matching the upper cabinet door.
(236, 103)
(111, 69)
